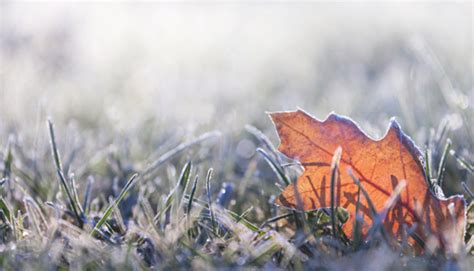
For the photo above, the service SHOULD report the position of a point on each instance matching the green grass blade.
(75, 194)
(57, 160)
(72, 204)
(428, 166)
(54, 147)
(116, 202)
(190, 206)
(181, 186)
(468, 191)
(166, 206)
(334, 175)
(4, 207)
(357, 233)
(209, 200)
(276, 218)
(191, 195)
(87, 195)
(241, 219)
(463, 162)
(442, 163)
(280, 172)
(7, 165)
(176, 193)
(183, 182)
(244, 214)
(263, 139)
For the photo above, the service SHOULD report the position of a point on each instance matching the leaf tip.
(394, 125)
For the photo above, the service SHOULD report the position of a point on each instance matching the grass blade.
(244, 214)
(191, 196)
(263, 139)
(468, 191)
(463, 162)
(176, 195)
(357, 233)
(183, 182)
(177, 198)
(280, 172)
(364, 192)
(32, 216)
(378, 220)
(167, 205)
(442, 163)
(276, 218)
(7, 164)
(372, 208)
(208, 189)
(334, 175)
(75, 194)
(428, 166)
(87, 195)
(54, 147)
(57, 160)
(6, 210)
(116, 202)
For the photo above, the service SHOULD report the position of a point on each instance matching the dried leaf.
(380, 165)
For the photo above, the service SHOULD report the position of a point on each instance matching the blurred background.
(155, 73)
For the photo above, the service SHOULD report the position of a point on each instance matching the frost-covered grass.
(190, 206)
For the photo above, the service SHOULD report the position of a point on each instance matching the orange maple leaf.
(380, 165)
